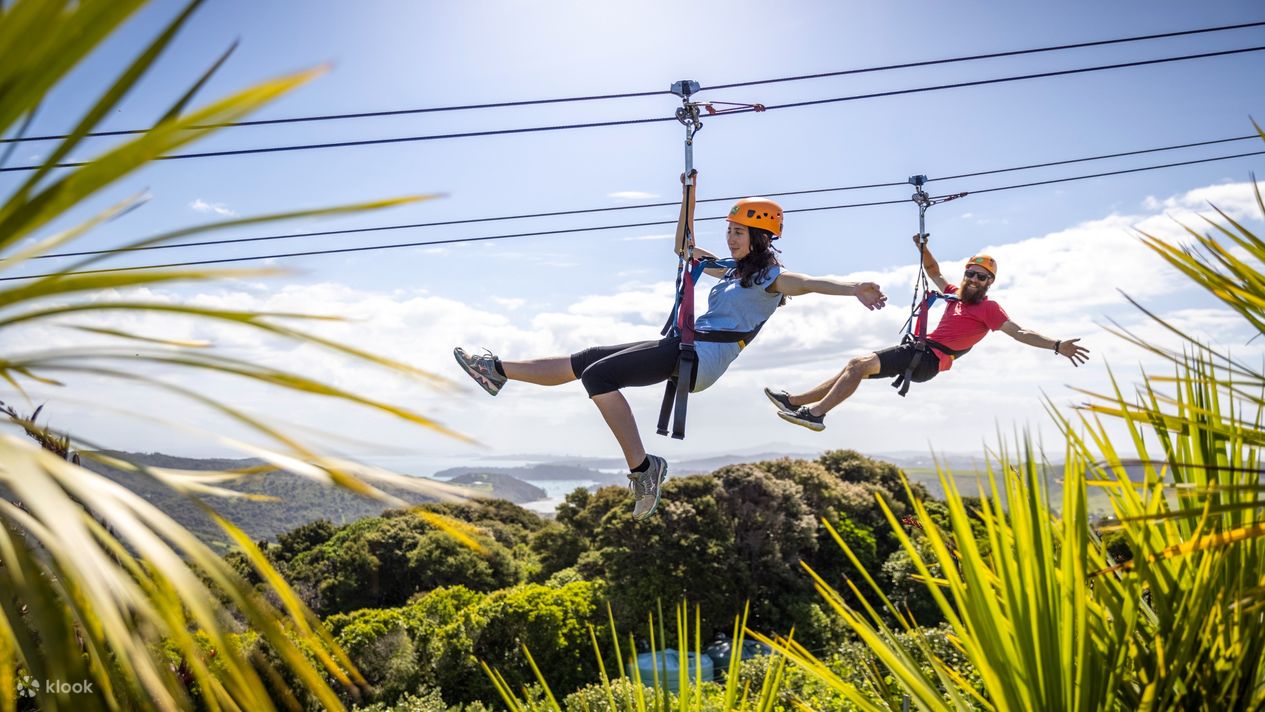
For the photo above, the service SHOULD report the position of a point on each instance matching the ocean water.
(427, 466)
(556, 491)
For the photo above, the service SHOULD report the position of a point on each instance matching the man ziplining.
(968, 317)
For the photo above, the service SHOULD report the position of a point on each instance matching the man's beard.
(970, 292)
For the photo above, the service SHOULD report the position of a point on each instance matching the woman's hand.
(869, 294)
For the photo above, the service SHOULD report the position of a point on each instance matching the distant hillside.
(537, 472)
(491, 484)
(300, 499)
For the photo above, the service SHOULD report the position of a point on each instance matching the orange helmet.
(986, 262)
(757, 212)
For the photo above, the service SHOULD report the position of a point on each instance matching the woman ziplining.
(693, 354)
(752, 286)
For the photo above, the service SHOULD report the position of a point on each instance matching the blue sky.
(533, 296)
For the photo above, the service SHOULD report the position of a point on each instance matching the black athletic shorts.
(603, 369)
(893, 362)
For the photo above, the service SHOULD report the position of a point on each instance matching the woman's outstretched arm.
(792, 285)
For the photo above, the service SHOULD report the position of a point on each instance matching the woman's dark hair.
(754, 268)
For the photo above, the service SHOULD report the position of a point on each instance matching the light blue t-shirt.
(731, 307)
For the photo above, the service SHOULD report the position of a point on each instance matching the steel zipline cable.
(486, 238)
(638, 94)
(586, 211)
(627, 122)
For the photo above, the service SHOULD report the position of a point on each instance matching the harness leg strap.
(904, 380)
(685, 375)
(665, 410)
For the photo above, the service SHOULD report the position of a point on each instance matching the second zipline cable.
(369, 248)
(585, 211)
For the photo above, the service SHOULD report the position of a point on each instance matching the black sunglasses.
(977, 274)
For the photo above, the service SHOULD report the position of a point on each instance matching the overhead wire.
(1116, 172)
(368, 248)
(638, 94)
(990, 55)
(626, 122)
(583, 211)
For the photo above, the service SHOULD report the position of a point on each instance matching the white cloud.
(1236, 199)
(509, 303)
(631, 195)
(201, 206)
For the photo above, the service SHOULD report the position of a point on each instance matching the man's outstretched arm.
(1073, 351)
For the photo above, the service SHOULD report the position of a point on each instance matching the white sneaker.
(646, 486)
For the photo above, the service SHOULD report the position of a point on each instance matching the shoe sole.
(790, 418)
(478, 377)
(658, 492)
(773, 399)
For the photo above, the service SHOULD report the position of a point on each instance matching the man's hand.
(920, 240)
(869, 294)
(1074, 352)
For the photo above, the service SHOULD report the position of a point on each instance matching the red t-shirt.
(963, 325)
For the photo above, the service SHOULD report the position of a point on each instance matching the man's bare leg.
(817, 392)
(857, 370)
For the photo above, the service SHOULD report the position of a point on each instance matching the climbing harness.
(924, 296)
(681, 320)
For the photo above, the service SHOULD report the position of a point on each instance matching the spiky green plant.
(630, 693)
(1043, 614)
(98, 585)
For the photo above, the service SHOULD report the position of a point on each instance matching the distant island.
(500, 486)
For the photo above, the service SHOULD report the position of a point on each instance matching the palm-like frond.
(100, 587)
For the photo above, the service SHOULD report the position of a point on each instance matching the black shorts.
(895, 360)
(603, 369)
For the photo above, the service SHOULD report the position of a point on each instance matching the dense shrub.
(439, 638)
(383, 561)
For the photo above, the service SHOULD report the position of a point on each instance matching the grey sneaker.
(781, 399)
(802, 417)
(645, 486)
(482, 369)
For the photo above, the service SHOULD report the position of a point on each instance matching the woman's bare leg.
(619, 418)
(553, 371)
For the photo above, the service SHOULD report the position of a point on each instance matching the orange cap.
(986, 262)
(757, 212)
